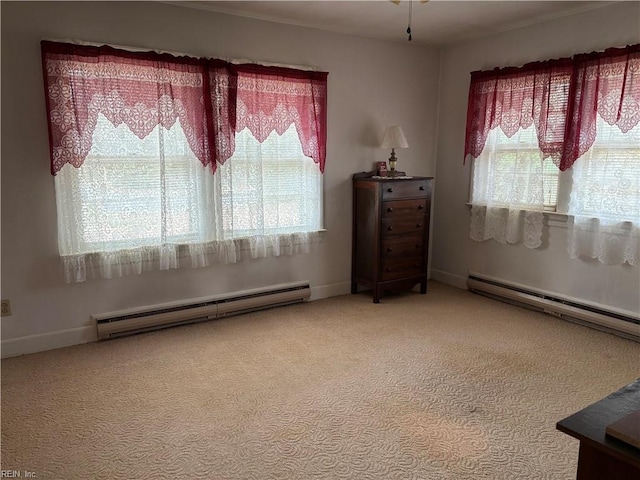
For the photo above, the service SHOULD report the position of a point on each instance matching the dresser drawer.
(393, 269)
(403, 247)
(405, 189)
(402, 226)
(400, 208)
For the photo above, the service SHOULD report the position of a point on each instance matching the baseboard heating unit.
(619, 323)
(142, 319)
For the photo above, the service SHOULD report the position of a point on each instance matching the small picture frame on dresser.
(381, 168)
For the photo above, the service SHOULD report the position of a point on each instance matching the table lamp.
(394, 138)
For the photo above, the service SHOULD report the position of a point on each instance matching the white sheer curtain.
(510, 179)
(605, 198)
(271, 195)
(137, 205)
(132, 203)
(135, 140)
(267, 202)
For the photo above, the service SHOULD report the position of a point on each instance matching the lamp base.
(393, 162)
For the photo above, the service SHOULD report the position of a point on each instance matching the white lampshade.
(394, 138)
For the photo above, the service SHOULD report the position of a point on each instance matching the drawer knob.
(390, 190)
(418, 225)
(390, 209)
(389, 249)
(387, 269)
(390, 227)
(420, 207)
(421, 187)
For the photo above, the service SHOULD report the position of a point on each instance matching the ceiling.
(436, 23)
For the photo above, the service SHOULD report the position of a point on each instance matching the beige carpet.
(449, 385)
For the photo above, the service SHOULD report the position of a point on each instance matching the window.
(161, 161)
(605, 197)
(511, 171)
(601, 191)
(581, 115)
(605, 183)
(270, 187)
(132, 193)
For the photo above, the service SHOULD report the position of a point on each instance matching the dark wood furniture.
(390, 233)
(603, 457)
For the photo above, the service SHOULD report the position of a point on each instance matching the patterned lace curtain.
(515, 120)
(136, 139)
(272, 99)
(133, 149)
(508, 189)
(604, 133)
(279, 152)
(139, 90)
(222, 94)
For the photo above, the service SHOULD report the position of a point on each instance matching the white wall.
(548, 268)
(371, 84)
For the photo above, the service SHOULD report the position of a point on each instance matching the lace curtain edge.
(506, 225)
(611, 243)
(79, 268)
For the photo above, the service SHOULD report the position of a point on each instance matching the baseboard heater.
(142, 319)
(602, 319)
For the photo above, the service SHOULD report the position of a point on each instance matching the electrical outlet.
(5, 308)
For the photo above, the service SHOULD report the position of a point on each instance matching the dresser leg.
(423, 287)
(376, 295)
(354, 287)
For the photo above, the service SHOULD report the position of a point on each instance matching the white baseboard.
(452, 279)
(331, 290)
(47, 341)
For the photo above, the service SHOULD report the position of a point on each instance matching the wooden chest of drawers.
(390, 233)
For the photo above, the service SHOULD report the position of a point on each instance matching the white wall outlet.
(5, 308)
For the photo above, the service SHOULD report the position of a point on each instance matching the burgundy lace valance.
(211, 99)
(514, 98)
(606, 84)
(272, 99)
(560, 97)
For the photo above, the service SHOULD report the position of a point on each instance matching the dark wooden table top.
(589, 424)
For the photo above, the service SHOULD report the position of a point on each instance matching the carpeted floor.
(449, 385)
